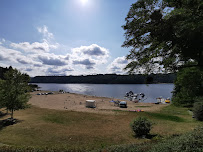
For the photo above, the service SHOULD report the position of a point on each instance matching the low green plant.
(188, 142)
(141, 126)
(198, 111)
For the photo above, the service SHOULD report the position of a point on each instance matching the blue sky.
(63, 37)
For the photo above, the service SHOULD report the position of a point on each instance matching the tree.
(1, 102)
(164, 34)
(13, 91)
(167, 36)
(188, 86)
(198, 111)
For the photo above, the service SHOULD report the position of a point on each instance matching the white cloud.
(37, 64)
(78, 62)
(89, 56)
(7, 54)
(58, 71)
(34, 64)
(2, 41)
(23, 60)
(3, 57)
(35, 47)
(15, 56)
(88, 63)
(46, 34)
(52, 59)
(94, 50)
(41, 58)
(118, 65)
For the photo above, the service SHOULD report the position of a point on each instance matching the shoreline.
(99, 83)
(77, 102)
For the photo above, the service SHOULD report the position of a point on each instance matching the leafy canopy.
(188, 86)
(13, 90)
(164, 35)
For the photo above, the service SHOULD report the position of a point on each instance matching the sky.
(63, 37)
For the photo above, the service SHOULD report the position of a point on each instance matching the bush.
(189, 142)
(198, 111)
(141, 126)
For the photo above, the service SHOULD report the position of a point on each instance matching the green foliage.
(198, 110)
(162, 116)
(164, 32)
(188, 86)
(141, 126)
(1, 95)
(13, 90)
(122, 148)
(190, 142)
(167, 35)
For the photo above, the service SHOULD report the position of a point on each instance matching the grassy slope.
(78, 130)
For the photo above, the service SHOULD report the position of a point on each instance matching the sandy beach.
(77, 102)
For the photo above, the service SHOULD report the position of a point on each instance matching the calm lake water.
(152, 91)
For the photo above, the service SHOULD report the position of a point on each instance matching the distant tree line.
(107, 79)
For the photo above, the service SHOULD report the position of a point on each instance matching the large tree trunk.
(200, 63)
(12, 114)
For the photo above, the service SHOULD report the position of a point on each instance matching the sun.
(84, 1)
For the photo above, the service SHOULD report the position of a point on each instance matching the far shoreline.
(107, 79)
(98, 83)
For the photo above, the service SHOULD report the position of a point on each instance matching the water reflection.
(152, 91)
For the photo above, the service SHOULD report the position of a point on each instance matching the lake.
(151, 91)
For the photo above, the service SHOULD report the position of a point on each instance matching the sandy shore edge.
(77, 102)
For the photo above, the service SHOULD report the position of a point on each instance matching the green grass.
(173, 110)
(166, 117)
(79, 130)
(69, 118)
(142, 106)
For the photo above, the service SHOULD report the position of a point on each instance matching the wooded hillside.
(107, 79)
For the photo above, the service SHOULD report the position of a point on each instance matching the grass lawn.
(79, 130)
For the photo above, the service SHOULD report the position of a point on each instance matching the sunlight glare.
(84, 1)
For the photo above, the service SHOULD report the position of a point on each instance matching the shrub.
(141, 126)
(198, 111)
(189, 142)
